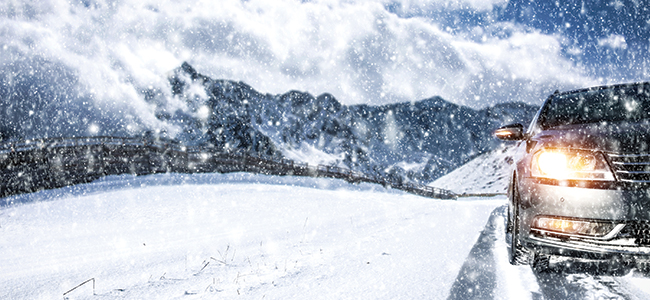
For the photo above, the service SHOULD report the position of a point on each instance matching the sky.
(102, 57)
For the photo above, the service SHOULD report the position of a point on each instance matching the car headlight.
(570, 164)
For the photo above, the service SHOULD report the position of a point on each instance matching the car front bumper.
(623, 205)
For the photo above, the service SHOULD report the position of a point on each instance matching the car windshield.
(624, 103)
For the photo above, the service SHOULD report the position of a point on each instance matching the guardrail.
(32, 165)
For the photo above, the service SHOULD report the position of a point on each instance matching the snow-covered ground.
(243, 236)
(167, 236)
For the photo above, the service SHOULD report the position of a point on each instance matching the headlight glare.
(570, 164)
(553, 164)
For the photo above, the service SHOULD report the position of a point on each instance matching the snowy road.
(244, 236)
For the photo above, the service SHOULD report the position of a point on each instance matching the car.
(580, 188)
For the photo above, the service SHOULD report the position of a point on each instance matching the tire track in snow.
(564, 285)
(477, 277)
(629, 285)
(482, 275)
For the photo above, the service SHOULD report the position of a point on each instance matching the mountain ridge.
(409, 141)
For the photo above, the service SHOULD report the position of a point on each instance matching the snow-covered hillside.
(216, 236)
(488, 173)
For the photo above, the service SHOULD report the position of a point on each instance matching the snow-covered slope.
(233, 236)
(488, 173)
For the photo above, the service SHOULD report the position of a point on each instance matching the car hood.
(623, 137)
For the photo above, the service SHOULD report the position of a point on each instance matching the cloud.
(408, 7)
(360, 51)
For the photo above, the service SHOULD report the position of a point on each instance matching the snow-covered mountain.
(97, 67)
(413, 141)
(416, 141)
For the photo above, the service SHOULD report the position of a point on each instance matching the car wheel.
(509, 223)
(541, 262)
(517, 254)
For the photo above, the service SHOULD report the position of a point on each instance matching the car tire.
(541, 263)
(517, 254)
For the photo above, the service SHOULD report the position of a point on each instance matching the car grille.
(639, 230)
(631, 167)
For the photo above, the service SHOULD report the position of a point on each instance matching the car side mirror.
(512, 132)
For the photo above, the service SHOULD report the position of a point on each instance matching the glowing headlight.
(571, 226)
(553, 164)
(570, 164)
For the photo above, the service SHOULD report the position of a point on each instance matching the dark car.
(581, 188)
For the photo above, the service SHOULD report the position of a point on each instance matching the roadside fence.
(31, 165)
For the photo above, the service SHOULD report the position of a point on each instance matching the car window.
(623, 103)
